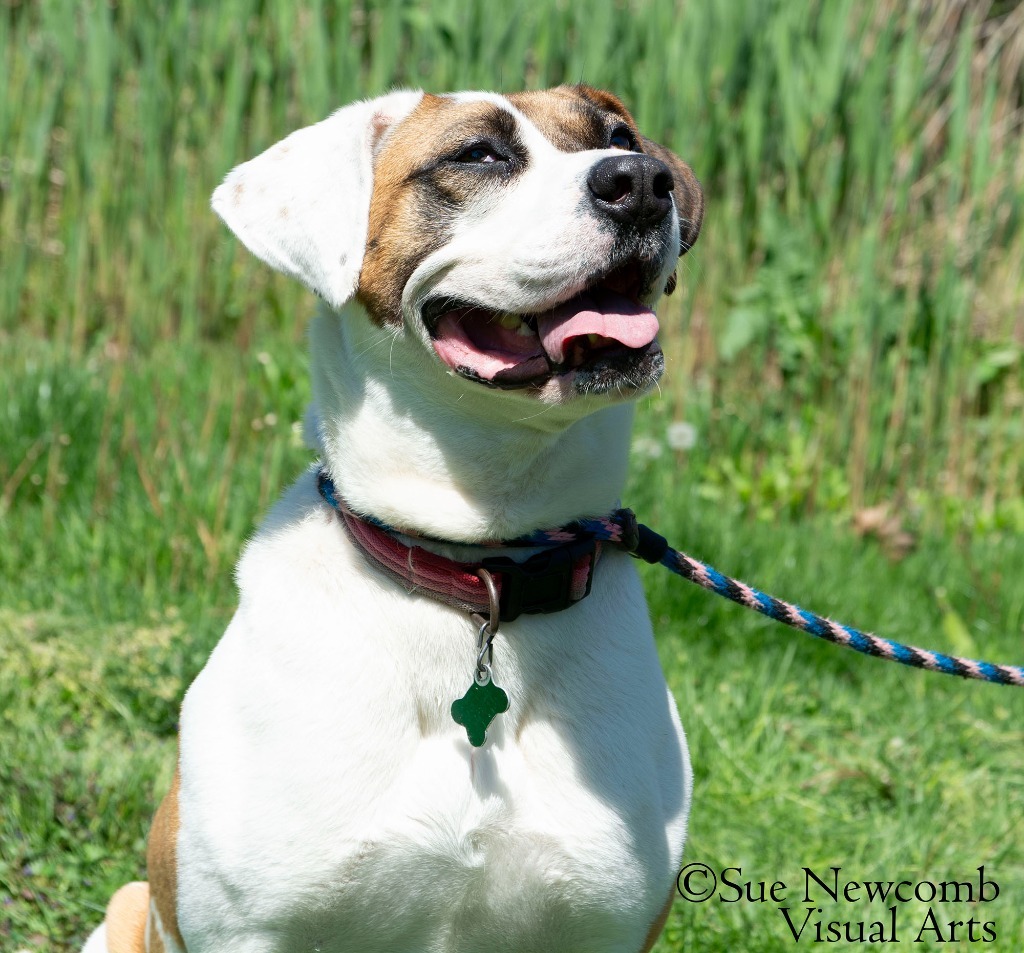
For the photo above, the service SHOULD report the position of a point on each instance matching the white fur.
(328, 801)
(289, 208)
(328, 798)
(97, 942)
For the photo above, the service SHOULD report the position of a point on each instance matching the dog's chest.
(337, 805)
(447, 860)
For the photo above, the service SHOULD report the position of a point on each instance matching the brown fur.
(574, 118)
(396, 231)
(418, 191)
(162, 862)
(126, 918)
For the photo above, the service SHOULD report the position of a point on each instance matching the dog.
(488, 267)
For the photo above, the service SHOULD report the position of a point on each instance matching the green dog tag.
(477, 708)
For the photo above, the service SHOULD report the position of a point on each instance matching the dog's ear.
(689, 196)
(303, 206)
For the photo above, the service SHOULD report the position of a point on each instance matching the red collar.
(549, 581)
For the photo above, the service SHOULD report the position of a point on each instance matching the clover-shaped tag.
(477, 708)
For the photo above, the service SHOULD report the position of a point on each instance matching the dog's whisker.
(377, 341)
(539, 413)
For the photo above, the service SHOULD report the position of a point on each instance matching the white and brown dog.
(488, 266)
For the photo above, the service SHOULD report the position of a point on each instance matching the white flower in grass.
(647, 448)
(681, 435)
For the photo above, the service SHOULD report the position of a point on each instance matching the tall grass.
(853, 313)
(848, 333)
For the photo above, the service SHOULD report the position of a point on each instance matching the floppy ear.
(303, 206)
(688, 195)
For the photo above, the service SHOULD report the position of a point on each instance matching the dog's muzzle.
(603, 338)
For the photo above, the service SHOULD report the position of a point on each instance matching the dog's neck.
(424, 451)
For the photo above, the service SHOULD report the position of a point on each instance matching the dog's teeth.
(514, 322)
(510, 322)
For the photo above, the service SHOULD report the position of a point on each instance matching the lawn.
(841, 424)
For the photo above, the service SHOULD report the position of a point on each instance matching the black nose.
(632, 188)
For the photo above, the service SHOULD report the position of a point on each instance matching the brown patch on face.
(574, 118)
(162, 863)
(420, 187)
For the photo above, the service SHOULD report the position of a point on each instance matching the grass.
(805, 755)
(846, 347)
(863, 163)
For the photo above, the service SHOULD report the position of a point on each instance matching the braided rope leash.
(622, 529)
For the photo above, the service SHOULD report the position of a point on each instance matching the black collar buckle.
(544, 582)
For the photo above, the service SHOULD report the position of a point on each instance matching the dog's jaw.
(598, 336)
(426, 451)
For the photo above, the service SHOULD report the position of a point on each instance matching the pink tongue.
(600, 312)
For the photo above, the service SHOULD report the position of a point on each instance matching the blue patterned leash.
(622, 529)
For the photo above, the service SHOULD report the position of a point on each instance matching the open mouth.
(604, 329)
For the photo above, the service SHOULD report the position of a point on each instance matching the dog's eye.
(479, 154)
(622, 138)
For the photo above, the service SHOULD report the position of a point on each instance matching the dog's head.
(521, 240)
